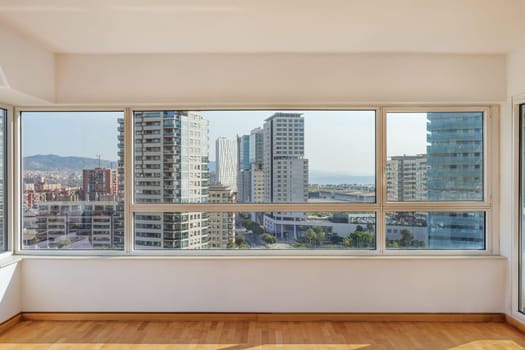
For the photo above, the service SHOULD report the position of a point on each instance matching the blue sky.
(335, 141)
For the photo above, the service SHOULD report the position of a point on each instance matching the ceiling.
(190, 26)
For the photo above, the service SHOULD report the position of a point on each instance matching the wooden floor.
(241, 335)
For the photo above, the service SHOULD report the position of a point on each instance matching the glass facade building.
(455, 173)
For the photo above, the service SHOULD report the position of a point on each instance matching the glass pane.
(262, 156)
(73, 180)
(319, 230)
(3, 231)
(435, 230)
(435, 156)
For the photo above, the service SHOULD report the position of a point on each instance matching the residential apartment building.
(99, 184)
(77, 225)
(221, 226)
(171, 166)
(285, 170)
(407, 178)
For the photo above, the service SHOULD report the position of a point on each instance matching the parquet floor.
(244, 335)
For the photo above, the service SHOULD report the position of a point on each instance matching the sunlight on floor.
(489, 345)
(64, 346)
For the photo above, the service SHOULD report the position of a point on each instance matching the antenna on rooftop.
(99, 156)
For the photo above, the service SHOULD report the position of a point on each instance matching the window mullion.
(128, 181)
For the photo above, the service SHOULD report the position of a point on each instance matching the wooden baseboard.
(275, 317)
(4, 326)
(515, 323)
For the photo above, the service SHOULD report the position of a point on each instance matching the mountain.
(53, 162)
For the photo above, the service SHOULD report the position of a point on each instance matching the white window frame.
(380, 207)
(8, 178)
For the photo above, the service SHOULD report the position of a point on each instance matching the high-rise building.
(171, 166)
(226, 162)
(407, 178)
(256, 156)
(99, 184)
(256, 151)
(243, 169)
(243, 147)
(455, 172)
(221, 226)
(285, 169)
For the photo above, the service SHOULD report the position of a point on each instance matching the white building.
(407, 178)
(221, 226)
(226, 162)
(171, 166)
(284, 166)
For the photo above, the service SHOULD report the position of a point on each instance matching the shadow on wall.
(10, 299)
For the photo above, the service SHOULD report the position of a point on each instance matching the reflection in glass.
(272, 230)
(435, 230)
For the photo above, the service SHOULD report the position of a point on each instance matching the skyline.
(354, 133)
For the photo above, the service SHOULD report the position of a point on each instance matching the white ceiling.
(173, 26)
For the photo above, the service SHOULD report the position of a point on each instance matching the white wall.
(33, 76)
(263, 285)
(10, 291)
(27, 70)
(270, 79)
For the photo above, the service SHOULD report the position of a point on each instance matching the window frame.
(8, 233)
(380, 207)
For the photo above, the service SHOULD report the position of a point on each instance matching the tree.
(319, 237)
(359, 228)
(239, 240)
(361, 239)
(406, 238)
(269, 239)
(336, 239)
(310, 235)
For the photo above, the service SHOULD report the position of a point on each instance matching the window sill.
(261, 257)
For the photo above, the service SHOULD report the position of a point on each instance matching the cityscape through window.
(323, 161)
(73, 180)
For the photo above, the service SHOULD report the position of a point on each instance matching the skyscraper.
(243, 169)
(285, 169)
(256, 157)
(226, 162)
(171, 166)
(455, 172)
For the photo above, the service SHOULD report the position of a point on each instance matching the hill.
(51, 162)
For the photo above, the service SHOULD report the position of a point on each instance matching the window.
(73, 180)
(370, 181)
(435, 157)
(254, 157)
